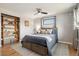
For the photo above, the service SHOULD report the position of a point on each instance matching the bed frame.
(36, 48)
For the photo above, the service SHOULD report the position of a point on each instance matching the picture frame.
(48, 22)
(26, 23)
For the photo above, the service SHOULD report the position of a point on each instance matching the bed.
(40, 43)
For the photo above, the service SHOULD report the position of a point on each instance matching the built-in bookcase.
(10, 29)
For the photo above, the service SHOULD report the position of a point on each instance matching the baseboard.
(65, 42)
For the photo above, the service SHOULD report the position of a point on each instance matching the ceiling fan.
(38, 10)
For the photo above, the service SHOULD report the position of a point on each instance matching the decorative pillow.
(42, 31)
(45, 31)
(49, 31)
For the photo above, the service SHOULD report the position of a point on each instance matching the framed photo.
(26, 23)
(48, 22)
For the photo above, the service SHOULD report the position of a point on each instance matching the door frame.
(18, 20)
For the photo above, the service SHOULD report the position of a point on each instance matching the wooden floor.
(8, 51)
(72, 52)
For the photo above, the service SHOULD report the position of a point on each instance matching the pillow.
(42, 31)
(49, 31)
(45, 31)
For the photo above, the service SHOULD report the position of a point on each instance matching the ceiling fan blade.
(44, 12)
(36, 13)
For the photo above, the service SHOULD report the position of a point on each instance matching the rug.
(58, 50)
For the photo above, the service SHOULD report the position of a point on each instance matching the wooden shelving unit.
(10, 29)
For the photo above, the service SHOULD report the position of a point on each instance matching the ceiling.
(28, 9)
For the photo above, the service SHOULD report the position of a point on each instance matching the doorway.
(9, 29)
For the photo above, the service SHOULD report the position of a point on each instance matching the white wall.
(24, 30)
(65, 27)
(37, 22)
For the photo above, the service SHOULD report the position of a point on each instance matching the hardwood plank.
(8, 51)
(72, 51)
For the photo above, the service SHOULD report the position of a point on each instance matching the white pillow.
(49, 31)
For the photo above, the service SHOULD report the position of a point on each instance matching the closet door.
(75, 41)
(9, 29)
(78, 44)
(16, 29)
